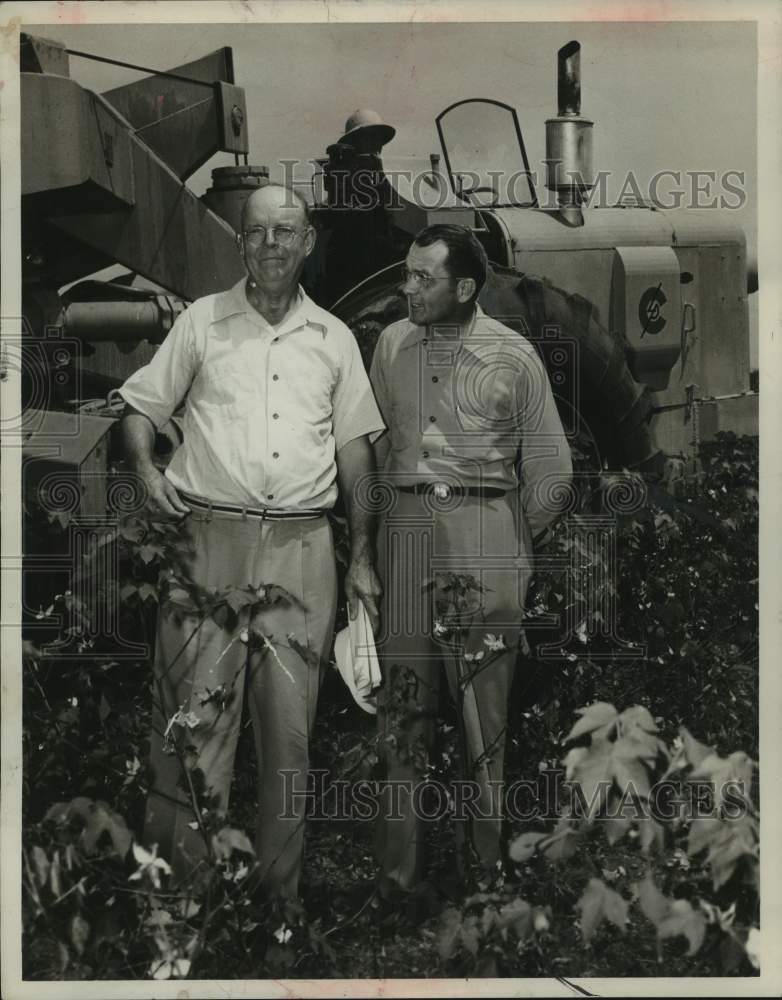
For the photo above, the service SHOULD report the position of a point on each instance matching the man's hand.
(163, 501)
(355, 463)
(138, 436)
(362, 584)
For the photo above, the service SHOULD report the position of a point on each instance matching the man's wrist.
(361, 550)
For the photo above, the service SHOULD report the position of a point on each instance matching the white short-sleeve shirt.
(266, 408)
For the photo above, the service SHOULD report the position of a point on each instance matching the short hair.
(466, 257)
(291, 191)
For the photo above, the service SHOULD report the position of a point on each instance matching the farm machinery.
(639, 312)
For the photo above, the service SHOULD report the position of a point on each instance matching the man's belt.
(265, 513)
(442, 491)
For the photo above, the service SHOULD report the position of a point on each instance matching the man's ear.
(465, 289)
(309, 240)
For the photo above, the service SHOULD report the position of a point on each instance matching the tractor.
(640, 313)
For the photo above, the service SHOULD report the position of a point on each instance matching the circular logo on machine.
(650, 310)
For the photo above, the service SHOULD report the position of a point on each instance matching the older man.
(278, 408)
(473, 455)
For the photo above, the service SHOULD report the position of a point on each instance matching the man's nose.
(271, 237)
(409, 285)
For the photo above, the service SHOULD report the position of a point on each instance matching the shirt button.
(432, 419)
(424, 341)
(269, 496)
(275, 416)
(435, 378)
(275, 454)
(275, 378)
(425, 454)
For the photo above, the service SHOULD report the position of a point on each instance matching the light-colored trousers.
(420, 549)
(281, 688)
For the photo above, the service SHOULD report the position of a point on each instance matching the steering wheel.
(490, 189)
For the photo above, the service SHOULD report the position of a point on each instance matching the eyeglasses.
(422, 279)
(283, 235)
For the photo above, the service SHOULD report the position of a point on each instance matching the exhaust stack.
(569, 140)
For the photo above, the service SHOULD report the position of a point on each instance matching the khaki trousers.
(194, 657)
(420, 548)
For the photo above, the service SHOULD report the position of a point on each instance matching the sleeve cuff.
(371, 433)
(158, 416)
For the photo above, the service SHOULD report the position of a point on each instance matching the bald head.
(276, 239)
(273, 196)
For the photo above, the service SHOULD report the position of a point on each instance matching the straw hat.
(368, 122)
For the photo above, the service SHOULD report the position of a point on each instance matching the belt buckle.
(441, 492)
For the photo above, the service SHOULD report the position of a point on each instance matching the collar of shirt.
(235, 301)
(472, 341)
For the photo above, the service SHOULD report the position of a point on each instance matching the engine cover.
(646, 310)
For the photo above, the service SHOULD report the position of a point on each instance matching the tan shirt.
(266, 408)
(478, 411)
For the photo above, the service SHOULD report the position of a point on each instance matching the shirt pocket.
(483, 435)
(230, 388)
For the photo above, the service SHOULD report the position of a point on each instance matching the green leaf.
(98, 819)
(735, 839)
(651, 835)
(448, 938)
(239, 599)
(104, 819)
(229, 839)
(180, 597)
(637, 724)
(616, 828)
(488, 920)
(628, 767)
(151, 551)
(724, 771)
(470, 935)
(221, 615)
(638, 717)
(702, 834)
(563, 842)
(596, 716)
(671, 917)
(279, 595)
(592, 768)
(518, 915)
(694, 751)
(132, 529)
(55, 872)
(599, 903)
(523, 847)
(80, 932)
(681, 919)
(654, 905)
(41, 862)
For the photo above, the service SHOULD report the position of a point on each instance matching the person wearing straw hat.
(365, 133)
(359, 197)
